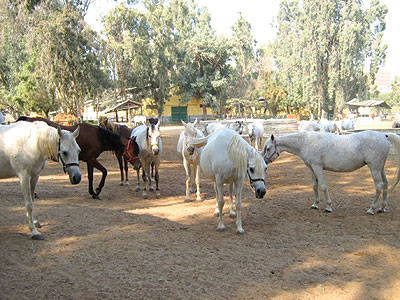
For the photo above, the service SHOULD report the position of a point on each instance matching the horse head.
(256, 169)
(250, 129)
(190, 131)
(153, 136)
(270, 151)
(240, 127)
(68, 152)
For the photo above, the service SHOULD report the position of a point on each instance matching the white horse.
(191, 157)
(256, 133)
(339, 153)
(228, 158)
(148, 138)
(213, 127)
(347, 124)
(24, 149)
(137, 120)
(328, 126)
(309, 126)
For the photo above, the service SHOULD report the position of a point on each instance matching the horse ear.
(158, 123)
(75, 134)
(195, 122)
(272, 137)
(184, 124)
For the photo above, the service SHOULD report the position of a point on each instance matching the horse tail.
(198, 142)
(395, 141)
(180, 142)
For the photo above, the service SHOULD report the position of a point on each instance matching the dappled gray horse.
(339, 153)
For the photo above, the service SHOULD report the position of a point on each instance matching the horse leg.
(151, 187)
(121, 168)
(187, 170)
(197, 172)
(319, 173)
(145, 177)
(25, 183)
(379, 185)
(385, 190)
(232, 212)
(103, 170)
(238, 194)
(34, 181)
(138, 178)
(216, 211)
(220, 196)
(90, 179)
(126, 171)
(315, 188)
(156, 178)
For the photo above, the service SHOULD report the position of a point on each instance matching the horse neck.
(291, 143)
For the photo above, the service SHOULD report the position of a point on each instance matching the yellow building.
(174, 111)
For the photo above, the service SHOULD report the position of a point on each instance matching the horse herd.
(220, 152)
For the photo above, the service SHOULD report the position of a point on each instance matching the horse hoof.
(138, 189)
(382, 210)
(221, 228)
(96, 196)
(37, 237)
(188, 200)
(370, 211)
(121, 183)
(158, 195)
(127, 183)
(199, 200)
(314, 206)
(144, 196)
(37, 224)
(328, 210)
(240, 231)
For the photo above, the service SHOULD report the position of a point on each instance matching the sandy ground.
(126, 247)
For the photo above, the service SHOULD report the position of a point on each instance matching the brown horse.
(124, 131)
(93, 140)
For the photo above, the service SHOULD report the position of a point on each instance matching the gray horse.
(339, 153)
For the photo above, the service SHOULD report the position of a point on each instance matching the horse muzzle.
(74, 176)
(260, 192)
(155, 150)
(190, 150)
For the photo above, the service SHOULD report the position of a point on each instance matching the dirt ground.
(126, 247)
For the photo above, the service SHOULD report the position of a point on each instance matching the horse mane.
(237, 149)
(47, 139)
(109, 138)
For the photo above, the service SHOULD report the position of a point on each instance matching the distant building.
(383, 82)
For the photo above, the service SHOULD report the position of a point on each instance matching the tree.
(244, 57)
(322, 48)
(202, 70)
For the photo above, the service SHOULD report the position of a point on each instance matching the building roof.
(125, 105)
(368, 103)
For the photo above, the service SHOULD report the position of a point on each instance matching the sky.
(261, 14)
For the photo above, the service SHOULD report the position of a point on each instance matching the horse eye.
(252, 170)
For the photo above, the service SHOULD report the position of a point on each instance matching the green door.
(178, 114)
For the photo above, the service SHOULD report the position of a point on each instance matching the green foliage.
(322, 47)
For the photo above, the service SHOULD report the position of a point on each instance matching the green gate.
(178, 113)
